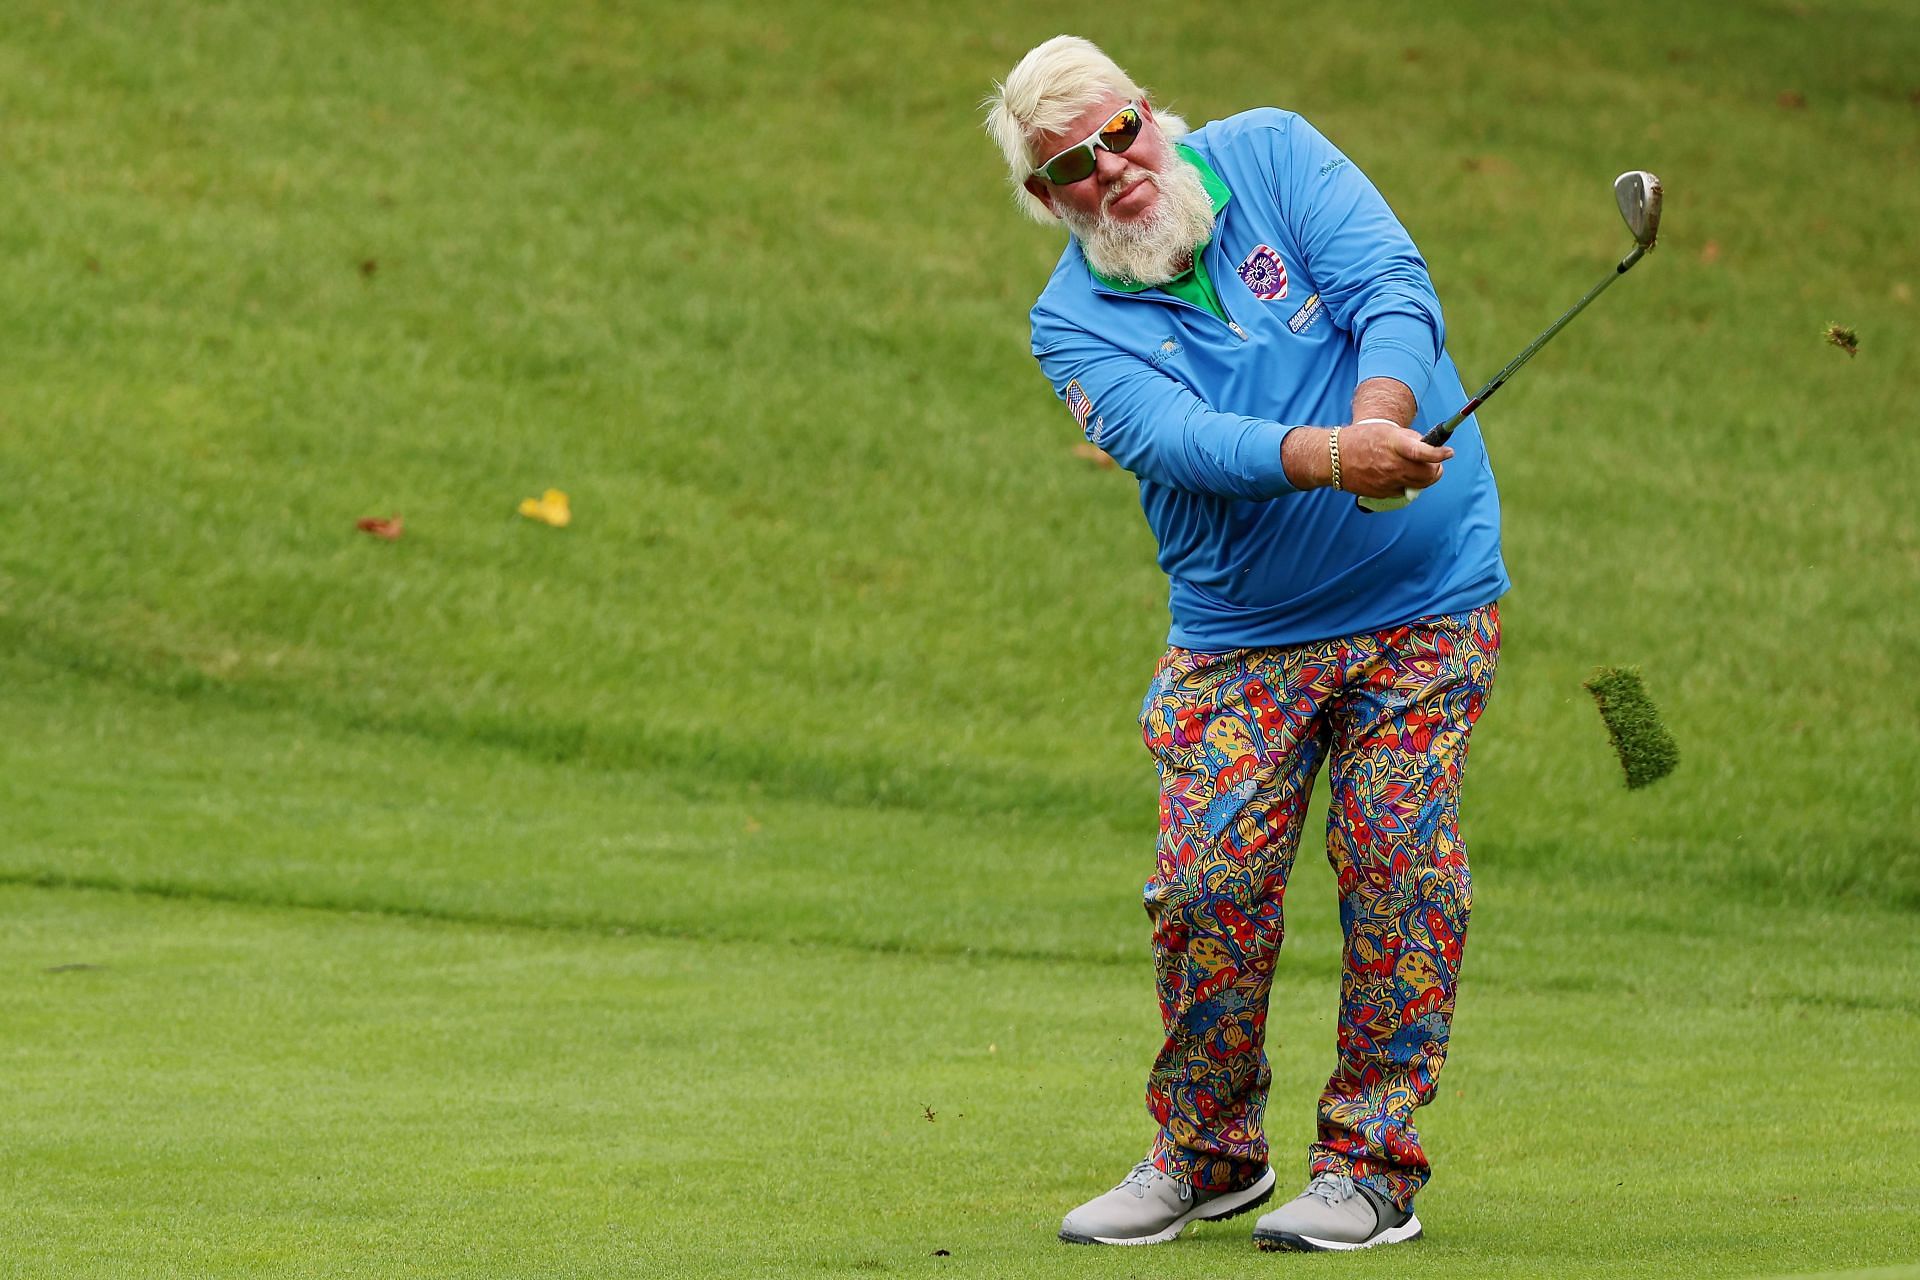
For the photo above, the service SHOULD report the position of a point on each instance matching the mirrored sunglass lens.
(1070, 168)
(1121, 131)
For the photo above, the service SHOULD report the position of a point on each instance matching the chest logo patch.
(1265, 274)
(1302, 320)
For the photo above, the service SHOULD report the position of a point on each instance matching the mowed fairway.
(744, 879)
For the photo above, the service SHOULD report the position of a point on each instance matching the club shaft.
(1440, 433)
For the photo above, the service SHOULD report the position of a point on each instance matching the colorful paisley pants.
(1238, 737)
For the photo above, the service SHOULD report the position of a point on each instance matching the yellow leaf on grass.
(549, 508)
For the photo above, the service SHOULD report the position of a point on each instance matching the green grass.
(256, 1090)
(612, 900)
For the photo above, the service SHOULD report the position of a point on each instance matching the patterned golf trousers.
(1239, 737)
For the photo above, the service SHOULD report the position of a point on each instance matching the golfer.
(1240, 321)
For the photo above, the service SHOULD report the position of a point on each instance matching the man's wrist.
(1305, 456)
(1384, 398)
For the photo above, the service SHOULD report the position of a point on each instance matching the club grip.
(1389, 504)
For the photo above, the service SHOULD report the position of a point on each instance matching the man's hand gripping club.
(1378, 456)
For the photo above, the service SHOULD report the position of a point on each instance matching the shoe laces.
(1331, 1187)
(1143, 1174)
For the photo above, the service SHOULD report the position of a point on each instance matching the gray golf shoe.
(1335, 1213)
(1151, 1207)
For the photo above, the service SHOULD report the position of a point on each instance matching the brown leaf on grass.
(929, 1111)
(1710, 251)
(1095, 454)
(1844, 338)
(367, 267)
(391, 528)
(1792, 99)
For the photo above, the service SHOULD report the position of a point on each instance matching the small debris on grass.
(390, 528)
(93, 266)
(1793, 100)
(1844, 338)
(1095, 454)
(943, 1253)
(367, 267)
(73, 968)
(930, 1112)
(1710, 252)
(550, 507)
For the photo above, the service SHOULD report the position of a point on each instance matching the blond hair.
(1055, 82)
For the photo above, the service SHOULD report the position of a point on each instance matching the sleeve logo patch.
(1078, 403)
(1265, 274)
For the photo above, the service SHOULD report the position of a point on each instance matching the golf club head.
(1639, 195)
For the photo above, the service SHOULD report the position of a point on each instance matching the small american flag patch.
(1079, 404)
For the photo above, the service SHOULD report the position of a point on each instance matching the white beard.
(1158, 247)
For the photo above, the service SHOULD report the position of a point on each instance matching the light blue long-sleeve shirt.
(1324, 290)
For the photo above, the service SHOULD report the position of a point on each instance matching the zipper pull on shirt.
(1238, 331)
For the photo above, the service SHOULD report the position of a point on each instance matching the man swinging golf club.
(1240, 321)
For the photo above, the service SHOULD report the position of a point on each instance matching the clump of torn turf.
(1844, 338)
(1646, 750)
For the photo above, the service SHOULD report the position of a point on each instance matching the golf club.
(1638, 194)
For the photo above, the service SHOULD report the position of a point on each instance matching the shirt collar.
(1217, 192)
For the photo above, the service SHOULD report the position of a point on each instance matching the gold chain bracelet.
(1333, 455)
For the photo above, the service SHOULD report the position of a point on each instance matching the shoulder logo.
(1302, 320)
(1265, 274)
(1081, 406)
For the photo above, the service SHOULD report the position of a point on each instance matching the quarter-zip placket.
(1166, 299)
